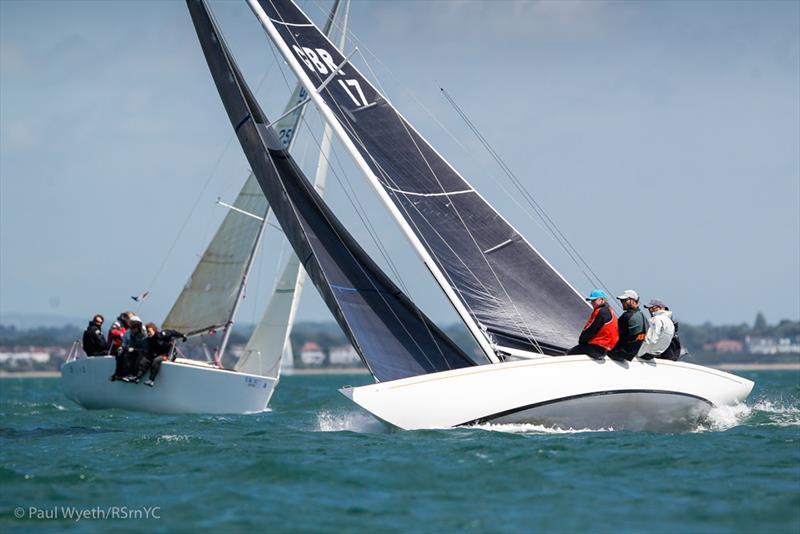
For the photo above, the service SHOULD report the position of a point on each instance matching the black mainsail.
(510, 293)
(394, 338)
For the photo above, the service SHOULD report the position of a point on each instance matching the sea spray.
(361, 422)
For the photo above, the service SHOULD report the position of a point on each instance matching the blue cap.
(597, 294)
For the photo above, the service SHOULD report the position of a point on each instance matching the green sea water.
(317, 463)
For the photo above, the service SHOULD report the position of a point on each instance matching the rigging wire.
(388, 306)
(574, 255)
(354, 200)
(519, 317)
(199, 197)
(568, 247)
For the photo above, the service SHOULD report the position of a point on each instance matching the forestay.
(514, 295)
(394, 339)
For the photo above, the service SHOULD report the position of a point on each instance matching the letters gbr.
(320, 60)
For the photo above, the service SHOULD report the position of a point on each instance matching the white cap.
(629, 294)
(134, 319)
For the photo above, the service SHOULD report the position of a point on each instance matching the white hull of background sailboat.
(568, 392)
(182, 387)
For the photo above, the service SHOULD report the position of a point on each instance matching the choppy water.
(317, 463)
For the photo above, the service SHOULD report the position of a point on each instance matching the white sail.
(262, 354)
(210, 296)
(270, 340)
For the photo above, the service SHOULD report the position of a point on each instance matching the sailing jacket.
(601, 328)
(632, 326)
(115, 335)
(94, 342)
(659, 333)
(134, 341)
(161, 343)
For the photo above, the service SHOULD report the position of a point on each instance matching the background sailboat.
(209, 303)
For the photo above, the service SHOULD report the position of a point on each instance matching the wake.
(765, 412)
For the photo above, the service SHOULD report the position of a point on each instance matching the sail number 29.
(321, 61)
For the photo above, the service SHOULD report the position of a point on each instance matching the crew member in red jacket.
(115, 335)
(600, 333)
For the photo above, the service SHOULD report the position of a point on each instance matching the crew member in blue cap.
(600, 333)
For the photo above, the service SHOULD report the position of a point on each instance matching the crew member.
(632, 328)
(159, 345)
(659, 331)
(117, 331)
(116, 334)
(134, 347)
(94, 342)
(600, 333)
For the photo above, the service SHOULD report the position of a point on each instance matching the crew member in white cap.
(659, 332)
(632, 327)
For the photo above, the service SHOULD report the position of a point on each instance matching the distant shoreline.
(324, 371)
(30, 374)
(327, 371)
(778, 366)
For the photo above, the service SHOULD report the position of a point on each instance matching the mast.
(288, 133)
(427, 259)
(393, 337)
(321, 173)
(227, 333)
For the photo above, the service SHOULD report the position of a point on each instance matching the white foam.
(779, 414)
(172, 438)
(528, 428)
(722, 418)
(361, 422)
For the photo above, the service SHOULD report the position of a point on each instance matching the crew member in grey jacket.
(632, 328)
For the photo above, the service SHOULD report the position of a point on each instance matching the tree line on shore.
(328, 334)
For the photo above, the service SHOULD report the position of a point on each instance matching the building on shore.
(725, 346)
(344, 355)
(772, 345)
(29, 358)
(311, 354)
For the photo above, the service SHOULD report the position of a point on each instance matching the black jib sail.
(393, 337)
(512, 293)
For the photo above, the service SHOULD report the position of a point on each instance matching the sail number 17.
(321, 61)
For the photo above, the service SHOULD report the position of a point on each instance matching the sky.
(662, 137)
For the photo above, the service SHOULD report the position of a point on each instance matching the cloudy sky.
(662, 137)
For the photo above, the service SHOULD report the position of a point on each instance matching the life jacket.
(115, 336)
(608, 335)
(641, 335)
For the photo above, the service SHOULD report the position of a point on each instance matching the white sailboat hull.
(180, 388)
(566, 392)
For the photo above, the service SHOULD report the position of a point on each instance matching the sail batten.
(393, 337)
(511, 290)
